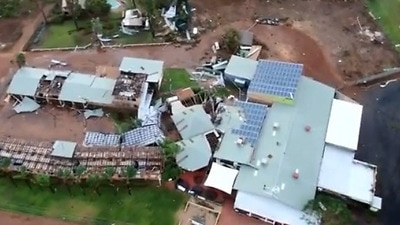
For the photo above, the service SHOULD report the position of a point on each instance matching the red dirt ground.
(50, 124)
(7, 218)
(322, 33)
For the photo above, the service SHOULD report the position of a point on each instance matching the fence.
(62, 48)
(137, 45)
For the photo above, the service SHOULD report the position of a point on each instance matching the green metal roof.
(195, 153)
(83, 88)
(64, 149)
(25, 81)
(153, 68)
(291, 147)
(241, 67)
(192, 121)
(26, 105)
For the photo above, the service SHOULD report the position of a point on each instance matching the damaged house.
(130, 90)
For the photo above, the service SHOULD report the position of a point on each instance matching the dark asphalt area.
(379, 144)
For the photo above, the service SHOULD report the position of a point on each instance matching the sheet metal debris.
(26, 105)
(93, 113)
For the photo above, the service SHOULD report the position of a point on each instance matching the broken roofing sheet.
(139, 137)
(26, 105)
(93, 113)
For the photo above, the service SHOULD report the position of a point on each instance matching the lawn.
(146, 206)
(388, 11)
(176, 79)
(57, 35)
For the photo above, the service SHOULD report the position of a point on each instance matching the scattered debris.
(271, 21)
(93, 113)
(56, 62)
(26, 105)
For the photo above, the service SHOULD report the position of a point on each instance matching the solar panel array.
(139, 137)
(276, 78)
(254, 115)
(101, 139)
(142, 136)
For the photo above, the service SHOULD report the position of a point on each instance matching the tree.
(78, 173)
(231, 41)
(171, 169)
(39, 4)
(5, 164)
(169, 148)
(44, 180)
(128, 173)
(65, 175)
(94, 181)
(97, 8)
(108, 174)
(20, 59)
(23, 175)
(76, 11)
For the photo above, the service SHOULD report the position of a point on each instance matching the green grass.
(388, 11)
(139, 38)
(176, 79)
(146, 206)
(57, 36)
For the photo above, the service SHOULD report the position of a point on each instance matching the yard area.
(146, 206)
(387, 11)
(176, 79)
(65, 35)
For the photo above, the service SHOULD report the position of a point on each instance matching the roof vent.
(296, 174)
(264, 161)
(240, 141)
(275, 126)
(307, 128)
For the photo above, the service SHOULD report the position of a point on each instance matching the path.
(29, 27)
(7, 218)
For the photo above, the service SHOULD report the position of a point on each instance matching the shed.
(240, 70)
(63, 149)
(246, 38)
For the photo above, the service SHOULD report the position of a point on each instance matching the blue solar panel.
(254, 115)
(276, 78)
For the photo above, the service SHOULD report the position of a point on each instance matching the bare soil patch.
(49, 124)
(335, 46)
(7, 218)
(10, 32)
